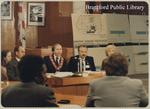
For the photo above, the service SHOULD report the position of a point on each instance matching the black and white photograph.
(76, 54)
(36, 13)
(6, 10)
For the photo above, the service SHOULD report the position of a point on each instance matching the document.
(63, 74)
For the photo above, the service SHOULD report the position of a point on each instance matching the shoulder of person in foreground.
(97, 81)
(143, 94)
(49, 95)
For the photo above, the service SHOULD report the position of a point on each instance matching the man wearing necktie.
(81, 62)
(12, 70)
(55, 62)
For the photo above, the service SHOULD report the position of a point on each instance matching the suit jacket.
(116, 91)
(73, 63)
(51, 68)
(28, 95)
(12, 70)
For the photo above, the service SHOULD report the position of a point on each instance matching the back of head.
(116, 65)
(110, 49)
(30, 67)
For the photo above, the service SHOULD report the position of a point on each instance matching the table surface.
(75, 100)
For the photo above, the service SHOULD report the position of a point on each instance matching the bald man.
(55, 62)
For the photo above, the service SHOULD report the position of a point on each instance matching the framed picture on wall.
(6, 10)
(36, 14)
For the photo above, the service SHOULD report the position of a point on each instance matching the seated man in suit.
(116, 89)
(55, 62)
(81, 60)
(30, 92)
(12, 69)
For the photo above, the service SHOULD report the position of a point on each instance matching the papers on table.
(63, 74)
(49, 75)
(69, 106)
(68, 74)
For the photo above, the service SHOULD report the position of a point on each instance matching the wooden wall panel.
(31, 31)
(65, 8)
(31, 37)
(10, 36)
(58, 29)
(7, 34)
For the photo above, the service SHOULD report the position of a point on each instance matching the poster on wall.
(6, 10)
(36, 14)
(139, 28)
(88, 29)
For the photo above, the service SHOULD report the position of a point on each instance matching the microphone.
(81, 65)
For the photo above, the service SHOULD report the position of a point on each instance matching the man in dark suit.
(55, 62)
(87, 62)
(30, 92)
(12, 69)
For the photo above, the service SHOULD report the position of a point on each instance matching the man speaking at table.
(81, 62)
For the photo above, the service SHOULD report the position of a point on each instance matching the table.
(72, 85)
(78, 100)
